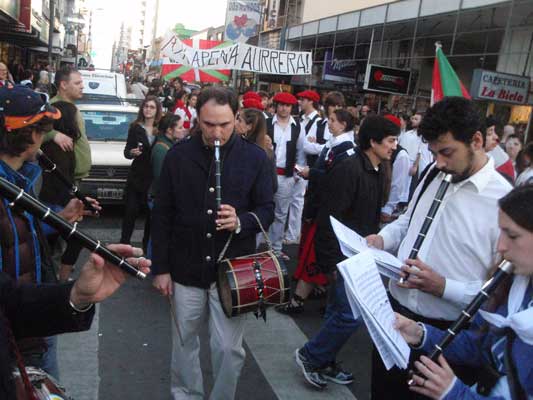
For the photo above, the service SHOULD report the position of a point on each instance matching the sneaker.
(335, 373)
(311, 373)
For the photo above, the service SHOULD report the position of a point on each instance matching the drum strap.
(265, 235)
(30, 393)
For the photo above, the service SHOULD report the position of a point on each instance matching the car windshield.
(108, 125)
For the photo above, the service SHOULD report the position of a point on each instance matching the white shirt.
(414, 145)
(194, 115)
(460, 244)
(281, 137)
(316, 148)
(525, 178)
(400, 182)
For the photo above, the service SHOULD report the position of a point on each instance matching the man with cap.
(288, 139)
(26, 116)
(308, 101)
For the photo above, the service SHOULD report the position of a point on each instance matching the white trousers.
(225, 341)
(282, 200)
(296, 209)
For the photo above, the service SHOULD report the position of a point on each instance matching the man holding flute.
(28, 310)
(189, 233)
(460, 245)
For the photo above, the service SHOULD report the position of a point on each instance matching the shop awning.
(16, 33)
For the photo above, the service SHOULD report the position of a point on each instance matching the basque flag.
(445, 80)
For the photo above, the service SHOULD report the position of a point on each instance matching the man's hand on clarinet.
(73, 211)
(99, 279)
(422, 277)
(433, 380)
(163, 283)
(227, 218)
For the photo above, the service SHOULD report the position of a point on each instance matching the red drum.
(251, 282)
(45, 386)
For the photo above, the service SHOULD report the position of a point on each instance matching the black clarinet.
(18, 197)
(218, 172)
(504, 271)
(51, 167)
(429, 219)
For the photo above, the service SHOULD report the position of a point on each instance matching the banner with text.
(238, 56)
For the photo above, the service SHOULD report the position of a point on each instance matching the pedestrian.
(308, 273)
(288, 139)
(141, 136)
(27, 78)
(43, 83)
(500, 337)
(185, 213)
(526, 174)
(513, 145)
(251, 124)
(5, 76)
(191, 106)
(353, 194)
(465, 228)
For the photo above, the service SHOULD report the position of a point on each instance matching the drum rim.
(235, 297)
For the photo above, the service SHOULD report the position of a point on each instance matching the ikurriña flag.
(445, 80)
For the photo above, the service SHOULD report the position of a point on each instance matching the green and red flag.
(190, 74)
(445, 80)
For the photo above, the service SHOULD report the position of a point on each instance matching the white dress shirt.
(414, 145)
(281, 137)
(460, 244)
(316, 148)
(400, 182)
(525, 178)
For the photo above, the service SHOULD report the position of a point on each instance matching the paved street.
(126, 353)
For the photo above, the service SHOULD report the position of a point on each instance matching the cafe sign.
(496, 86)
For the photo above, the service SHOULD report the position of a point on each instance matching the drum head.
(224, 288)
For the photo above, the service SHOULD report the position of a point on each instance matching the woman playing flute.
(500, 336)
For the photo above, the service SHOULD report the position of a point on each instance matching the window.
(107, 125)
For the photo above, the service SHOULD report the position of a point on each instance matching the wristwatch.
(238, 230)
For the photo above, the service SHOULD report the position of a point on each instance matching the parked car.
(107, 130)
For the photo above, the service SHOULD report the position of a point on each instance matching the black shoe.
(311, 373)
(335, 373)
(290, 309)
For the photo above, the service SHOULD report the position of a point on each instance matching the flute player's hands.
(99, 279)
(73, 211)
(422, 277)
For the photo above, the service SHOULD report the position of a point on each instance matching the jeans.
(339, 325)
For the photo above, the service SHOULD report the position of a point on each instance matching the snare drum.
(44, 385)
(241, 279)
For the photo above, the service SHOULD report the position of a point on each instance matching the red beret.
(310, 95)
(395, 120)
(253, 103)
(251, 95)
(285, 98)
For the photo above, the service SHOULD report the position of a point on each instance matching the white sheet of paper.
(352, 243)
(368, 297)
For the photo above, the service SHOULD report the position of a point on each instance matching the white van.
(103, 87)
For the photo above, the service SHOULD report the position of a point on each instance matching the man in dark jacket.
(353, 194)
(189, 234)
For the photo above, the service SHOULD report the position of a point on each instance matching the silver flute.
(429, 219)
(218, 173)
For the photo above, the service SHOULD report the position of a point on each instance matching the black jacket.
(33, 311)
(185, 242)
(352, 193)
(140, 173)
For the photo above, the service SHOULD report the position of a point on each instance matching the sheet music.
(368, 299)
(351, 243)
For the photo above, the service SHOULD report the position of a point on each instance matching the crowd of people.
(289, 163)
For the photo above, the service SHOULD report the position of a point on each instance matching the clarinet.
(18, 197)
(218, 172)
(504, 271)
(51, 167)
(429, 219)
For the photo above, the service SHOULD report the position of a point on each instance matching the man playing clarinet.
(189, 234)
(460, 245)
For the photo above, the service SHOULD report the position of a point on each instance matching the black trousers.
(392, 384)
(136, 201)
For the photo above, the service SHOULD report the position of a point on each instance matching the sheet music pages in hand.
(351, 243)
(368, 299)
